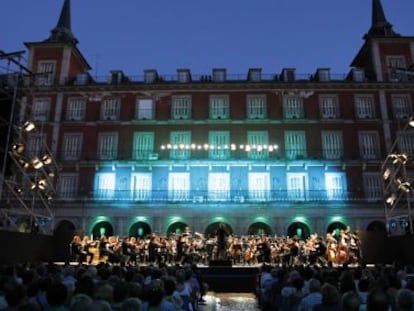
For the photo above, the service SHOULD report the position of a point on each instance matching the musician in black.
(222, 235)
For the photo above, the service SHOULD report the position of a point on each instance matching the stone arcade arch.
(102, 228)
(300, 229)
(335, 228)
(176, 227)
(140, 229)
(259, 228)
(212, 228)
(377, 226)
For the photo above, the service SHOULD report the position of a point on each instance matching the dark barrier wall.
(25, 247)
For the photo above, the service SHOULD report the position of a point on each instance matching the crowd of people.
(336, 248)
(313, 288)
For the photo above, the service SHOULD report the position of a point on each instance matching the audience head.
(350, 301)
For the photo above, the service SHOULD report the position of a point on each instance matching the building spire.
(380, 27)
(62, 33)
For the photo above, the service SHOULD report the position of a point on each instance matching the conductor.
(222, 241)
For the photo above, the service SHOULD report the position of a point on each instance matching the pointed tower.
(384, 52)
(57, 59)
(380, 27)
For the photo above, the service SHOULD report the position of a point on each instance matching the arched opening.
(102, 228)
(140, 229)
(259, 228)
(377, 226)
(211, 229)
(177, 228)
(298, 229)
(335, 228)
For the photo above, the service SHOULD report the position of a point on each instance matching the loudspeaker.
(220, 263)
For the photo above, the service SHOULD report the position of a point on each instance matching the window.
(181, 107)
(329, 106)
(105, 186)
(145, 109)
(368, 145)
(143, 145)
(76, 109)
(332, 146)
(36, 144)
(334, 186)
(107, 146)
(219, 107)
(324, 74)
(364, 105)
(293, 107)
(179, 186)
(258, 142)
(295, 145)
(256, 106)
(255, 74)
(259, 186)
(372, 186)
(219, 142)
(110, 109)
(401, 106)
(406, 142)
(67, 186)
(396, 68)
(141, 185)
(358, 74)
(219, 75)
(297, 185)
(218, 186)
(183, 75)
(72, 146)
(40, 109)
(180, 142)
(45, 73)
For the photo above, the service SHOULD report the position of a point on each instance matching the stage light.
(18, 148)
(36, 163)
(42, 184)
(47, 159)
(28, 126)
(411, 122)
(18, 189)
(24, 164)
(386, 174)
(391, 199)
(403, 185)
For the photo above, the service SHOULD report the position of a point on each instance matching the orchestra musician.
(89, 248)
(77, 249)
(222, 235)
(129, 250)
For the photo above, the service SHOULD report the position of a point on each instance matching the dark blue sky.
(133, 35)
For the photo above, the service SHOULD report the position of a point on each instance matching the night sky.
(133, 35)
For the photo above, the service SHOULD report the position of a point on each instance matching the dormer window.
(183, 75)
(150, 76)
(219, 74)
(288, 75)
(82, 78)
(116, 77)
(358, 75)
(255, 74)
(323, 74)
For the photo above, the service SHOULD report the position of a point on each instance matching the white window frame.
(395, 62)
(406, 142)
(107, 145)
(46, 70)
(373, 186)
(36, 144)
(145, 108)
(180, 142)
(365, 106)
(335, 186)
(219, 145)
(181, 107)
(72, 146)
(329, 107)
(297, 186)
(41, 109)
(143, 145)
(369, 145)
(219, 107)
(178, 186)
(256, 106)
(110, 108)
(259, 186)
(218, 186)
(401, 105)
(295, 145)
(293, 107)
(332, 145)
(258, 142)
(141, 186)
(67, 186)
(105, 186)
(76, 109)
